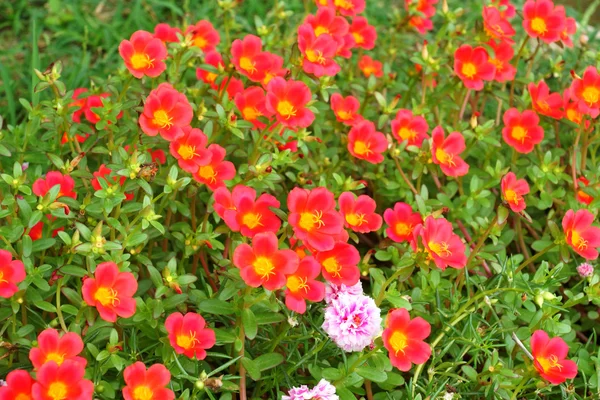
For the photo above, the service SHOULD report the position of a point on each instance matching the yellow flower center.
(361, 148)
(142, 392)
(250, 113)
(141, 61)
(356, 219)
(187, 341)
(208, 173)
(263, 267)
(107, 296)
(267, 78)
(309, 220)
(512, 197)
(519, 133)
(332, 266)
(538, 25)
(315, 56)
(441, 249)
(200, 41)
(162, 119)
(295, 284)
(345, 4)
(319, 30)
(187, 152)
(252, 220)
(2, 277)
(398, 341)
(56, 357)
(444, 158)
(345, 115)
(573, 115)
(469, 70)
(247, 65)
(286, 109)
(549, 363)
(211, 77)
(499, 64)
(23, 396)
(407, 134)
(403, 229)
(591, 94)
(358, 38)
(578, 242)
(57, 391)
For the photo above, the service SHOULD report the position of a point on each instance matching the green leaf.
(249, 322)
(372, 374)
(470, 372)
(216, 306)
(174, 300)
(251, 368)
(44, 305)
(268, 361)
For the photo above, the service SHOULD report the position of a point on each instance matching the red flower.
(571, 108)
(317, 52)
(217, 171)
(190, 149)
(521, 130)
(166, 33)
(166, 111)
(102, 173)
(66, 381)
(404, 339)
(507, 10)
(503, 53)
(36, 231)
(252, 104)
(287, 101)
(345, 109)
(496, 26)
(363, 33)
(409, 127)
(188, 334)
(446, 152)
(250, 216)
(345, 46)
(366, 143)
(326, 22)
(80, 103)
(313, 216)
(581, 196)
(41, 187)
(370, 67)
(79, 138)
(422, 25)
(249, 59)
(157, 156)
(224, 198)
(569, 30)
(18, 386)
(549, 358)
(472, 65)
(401, 222)
(148, 384)
(211, 58)
(53, 347)
(340, 264)
(12, 272)
(144, 54)
(275, 69)
(232, 86)
(302, 285)
(442, 246)
(93, 102)
(580, 234)
(544, 102)
(425, 7)
(349, 8)
(111, 292)
(513, 190)
(541, 19)
(203, 35)
(263, 263)
(586, 92)
(359, 213)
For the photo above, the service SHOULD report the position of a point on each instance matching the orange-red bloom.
(263, 263)
(566, 36)
(287, 101)
(18, 386)
(189, 335)
(359, 213)
(340, 264)
(275, 69)
(317, 52)
(302, 285)
(203, 35)
(549, 358)
(142, 384)
(190, 149)
(409, 127)
(544, 102)
(326, 22)
(541, 19)
(345, 109)
(507, 10)
(366, 143)
(586, 92)
(401, 222)
(496, 26)
(93, 102)
(580, 234)
(53, 347)
(211, 58)
(62, 382)
(111, 292)
(425, 7)
(363, 33)
(581, 196)
(166, 112)
(157, 156)
(503, 53)
(349, 8)
(249, 215)
(249, 59)
(166, 33)
(144, 54)
(313, 216)
(215, 173)
(369, 67)
(102, 173)
(521, 130)
(571, 108)
(473, 66)
(446, 152)
(42, 186)
(252, 104)
(441, 244)
(513, 190)
(12, 272)
(404, 339)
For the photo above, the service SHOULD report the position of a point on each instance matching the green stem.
(388, 282)
(482, 240)
(534, 257)
(58, 310)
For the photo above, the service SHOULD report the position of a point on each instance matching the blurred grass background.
(84, 35)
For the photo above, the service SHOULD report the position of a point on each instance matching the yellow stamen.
(247, 65)
(398, 341)
(252, 220)
(538, 25)
(208, 173)
(107, 296)
(309, 220)
(332, 267)
(142, 392)
(519, 133)
(187, 152)
(58, 391)
(187, 341)
(361, 148)
(441, 249)
(162, 119)
(444, 158)
(469, 70)
(591, 95)
(263, 267)
(407, 134)
(549, 363)
(251, 113)
(356, 219)
(296, 283)
(403, 229)
(141, 61)
(56, 357)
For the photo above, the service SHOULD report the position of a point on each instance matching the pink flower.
(473, 66)
(363, 33)
(401, 222)
(585, 270)
(318, 52)
(189, 335)
(513, 190)
(549, 358)
(522, 130)
(346, 109)
(359, 213)
(446, 152)
(287, 101)
(366, 143)
(12, 272)
(580, 234)
(302, 285)
(442, 246)
(409, 127)
(333, 291)
(544, 102)
(249, 215)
